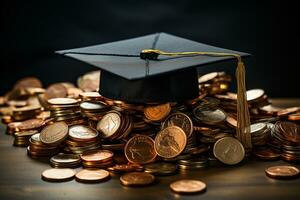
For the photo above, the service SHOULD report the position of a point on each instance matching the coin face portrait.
(170, 142)
(109, 124)
(181, 120)
(140, 149)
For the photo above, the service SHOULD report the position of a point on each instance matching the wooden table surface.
(20, 178)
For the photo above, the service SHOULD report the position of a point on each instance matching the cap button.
(150, 55)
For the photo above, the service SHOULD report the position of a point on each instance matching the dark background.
(33, 30)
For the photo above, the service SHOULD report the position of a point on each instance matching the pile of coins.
(76, 126)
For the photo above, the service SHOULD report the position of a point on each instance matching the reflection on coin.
(181, 120)
(158, 112)
(137, 179)
(170, 142)
(209, 116)
(92, 175)
(140, 149)
(254, 94)
(207, 77)
(282, 172)
(62, 101)
(65, 158)
(109, 124)
(80, 132)
(97, 156)
(187, 186)
(161, 168)
(54, 133)
(229, 150)
(58, 174)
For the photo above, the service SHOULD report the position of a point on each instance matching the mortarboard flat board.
(127, 76)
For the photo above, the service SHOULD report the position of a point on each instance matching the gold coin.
(109, 124)
(58, 174)
(92, 175)
(170, 142)
(140, 149)
(181, 120)
(54, 133)
(97, 156)
(229, 150)
(158, 112)
(187, 186)
(137, 179)
(82, 133)
(282, 171)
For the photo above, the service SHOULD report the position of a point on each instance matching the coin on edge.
(188, 186)
(140, 149)
(58, 174)
(54, 133)
(281, 172)
(92, 175)
(170, 142)
(229, 150)
(137, 179)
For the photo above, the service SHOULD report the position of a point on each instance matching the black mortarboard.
(127, 75)
(159, 68)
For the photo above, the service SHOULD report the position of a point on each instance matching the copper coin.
(54, 133)
(26, 133)
(181, 120)
(56, 90)
(137, 179)
(31, 124)
(229, 150)
(90, 81)
(109, 124)
(62, 101)
(157, 112)
(282, 172)
(187, 186)
(140, 149)
(58, 174)
(170, 142)
(80, 132)
(129, 167)
(28, 82)
(92, 175)
(267, 154)
(97, 156)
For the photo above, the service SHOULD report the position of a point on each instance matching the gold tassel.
(243, 117)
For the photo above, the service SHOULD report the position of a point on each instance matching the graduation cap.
(159, 68)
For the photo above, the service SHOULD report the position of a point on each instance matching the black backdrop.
(33, 30)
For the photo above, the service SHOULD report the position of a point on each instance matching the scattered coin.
(181, 120)
(92, 175)
(58, 174)
(137, 179)
(282, 172)
(188, 186)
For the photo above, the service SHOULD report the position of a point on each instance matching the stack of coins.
(22, 137)
(92, 105)
(62, 160)
(214, 83)
(260, 133)
(97, 159)
(64, 109)
(26, 112)
(194, 163)
(82, 138)
(287, 134)
(38, 149)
